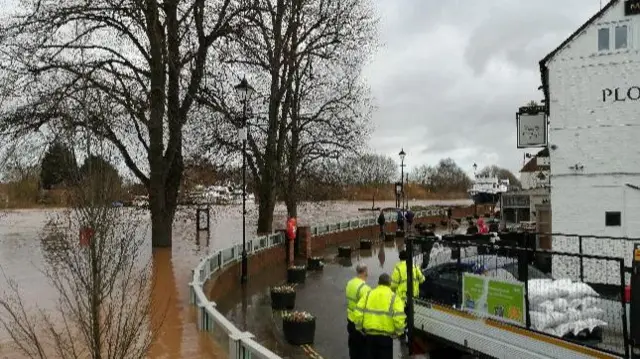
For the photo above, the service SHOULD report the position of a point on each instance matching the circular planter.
(399, 234)
(345, 262)
(296, 275)
(427, 233)
(389, 236)
(283, 300)
(315, 263)
(365, 244)
(344, 252)
(299, 333)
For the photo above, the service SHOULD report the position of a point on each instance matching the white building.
(591, 84)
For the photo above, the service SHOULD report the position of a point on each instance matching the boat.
(487, 189)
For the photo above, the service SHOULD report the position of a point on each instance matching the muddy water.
(21, 259)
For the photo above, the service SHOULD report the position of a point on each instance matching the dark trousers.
(380, 347)
(357, 343)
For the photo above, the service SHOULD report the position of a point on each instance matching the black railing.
(589, 312)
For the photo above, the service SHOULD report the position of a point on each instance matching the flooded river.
(21, 259)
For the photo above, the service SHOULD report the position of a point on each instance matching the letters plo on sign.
(621, 94)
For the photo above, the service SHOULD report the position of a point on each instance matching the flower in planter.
(283, 289)
(297, 316)
(298, 267)
(317, 258)
(344, 247)
(365, 240)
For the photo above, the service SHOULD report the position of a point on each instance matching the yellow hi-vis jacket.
(380, 312)
(399, 280)
(356, 289)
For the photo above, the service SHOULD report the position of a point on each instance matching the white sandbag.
(576, 327)
(560, 305)
(543, 293)
(560, 287)
(580, 290)
(544, 307)
(541, 321)
(584, 303)
(550, 331)
(539, 282)
(573, 315)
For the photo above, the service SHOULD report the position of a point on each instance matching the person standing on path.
(356, 289)
(380, 315)
(399, 277)
(381, 221)
(409, 218)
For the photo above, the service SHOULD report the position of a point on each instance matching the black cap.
(403, 255)
(384, 279)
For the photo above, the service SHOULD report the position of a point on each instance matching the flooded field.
(21, 259)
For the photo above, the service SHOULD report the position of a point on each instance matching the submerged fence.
(585, 305)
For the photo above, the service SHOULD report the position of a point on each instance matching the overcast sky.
(450, 75)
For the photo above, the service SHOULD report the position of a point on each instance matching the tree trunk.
(163, 201)
(266, 205)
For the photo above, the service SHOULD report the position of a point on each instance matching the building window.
(612, 219)
(603, 39)
(621, 37)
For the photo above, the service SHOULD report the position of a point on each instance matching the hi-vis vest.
(356, 289)
(399, 280)
(380, 312)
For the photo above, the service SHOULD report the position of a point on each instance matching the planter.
(389, 236)
(344, 252)
(315, 263)
(365, 244)
(400, 234)
(345, 262)
(299, 332)
(283, 300)
(296, 275)
(427, 233)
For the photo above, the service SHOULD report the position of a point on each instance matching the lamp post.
(402, 154)
(245, 91)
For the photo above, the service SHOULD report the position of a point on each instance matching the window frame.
(608, 38)
(626, 36)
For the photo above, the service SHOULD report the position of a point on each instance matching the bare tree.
(289, 49)
(144, 61)
(103, 285)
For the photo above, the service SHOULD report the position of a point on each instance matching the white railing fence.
(241, 345)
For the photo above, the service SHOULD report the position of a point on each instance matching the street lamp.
(245, 91)
(402, 154)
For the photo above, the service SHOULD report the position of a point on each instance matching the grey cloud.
(453, 73)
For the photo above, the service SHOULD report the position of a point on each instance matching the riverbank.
(34, 198)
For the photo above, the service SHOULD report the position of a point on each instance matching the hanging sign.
(632, 7)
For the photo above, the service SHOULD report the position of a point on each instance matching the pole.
(402, 180)
(410, 279)
(243, 279)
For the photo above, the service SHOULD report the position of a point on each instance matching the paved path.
(321, 295)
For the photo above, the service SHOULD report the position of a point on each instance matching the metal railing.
(242, 345)
(515, 261)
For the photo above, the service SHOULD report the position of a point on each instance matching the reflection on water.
(21, 259)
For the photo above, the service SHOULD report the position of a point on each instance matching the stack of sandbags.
(562, 307)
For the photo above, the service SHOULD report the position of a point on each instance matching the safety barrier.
(242, 344)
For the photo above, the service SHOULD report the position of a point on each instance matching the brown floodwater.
(21, 260)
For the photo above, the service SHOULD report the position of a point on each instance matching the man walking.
(380, 315)
(356, 289)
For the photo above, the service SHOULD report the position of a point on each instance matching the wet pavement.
(21, 259)
(322, 295)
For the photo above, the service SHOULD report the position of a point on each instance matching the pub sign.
(632, 7)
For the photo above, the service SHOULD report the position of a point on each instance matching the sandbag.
(580, 290)
(584, 303)
(577, 326)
